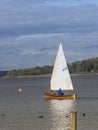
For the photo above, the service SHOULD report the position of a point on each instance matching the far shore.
(26, 76)
(47, 75)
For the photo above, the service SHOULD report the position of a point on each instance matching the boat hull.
(55, 96)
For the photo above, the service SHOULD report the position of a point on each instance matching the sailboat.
(60, 78)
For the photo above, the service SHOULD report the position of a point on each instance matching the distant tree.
(77, 67)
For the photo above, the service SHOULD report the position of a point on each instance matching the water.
(30, 111)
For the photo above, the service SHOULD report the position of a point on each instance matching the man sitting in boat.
(60, 92)
(51, 92)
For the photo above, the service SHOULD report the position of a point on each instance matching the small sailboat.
(60, 78)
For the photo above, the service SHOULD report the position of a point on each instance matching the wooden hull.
(55, 96)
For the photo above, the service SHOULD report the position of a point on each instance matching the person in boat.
(59, 92)
(51, 92)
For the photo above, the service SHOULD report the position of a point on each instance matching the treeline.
(84, 67)
(31, 71)
(78, 67)
(3, 73)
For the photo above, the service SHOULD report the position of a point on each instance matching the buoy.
(20, 90)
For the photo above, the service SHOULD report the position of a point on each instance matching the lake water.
(28, 110)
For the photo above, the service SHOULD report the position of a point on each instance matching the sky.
(31, 30)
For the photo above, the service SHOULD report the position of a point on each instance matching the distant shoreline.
(26, 76)
(48, 75)
(84, 67)
(85, 74)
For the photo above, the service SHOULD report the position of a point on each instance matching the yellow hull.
(55, 96)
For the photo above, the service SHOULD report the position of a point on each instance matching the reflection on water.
(60, 113)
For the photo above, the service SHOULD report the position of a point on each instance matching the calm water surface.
(30, 111)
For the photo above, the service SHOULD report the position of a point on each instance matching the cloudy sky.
(31, 30)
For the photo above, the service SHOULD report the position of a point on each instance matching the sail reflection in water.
(60, 114)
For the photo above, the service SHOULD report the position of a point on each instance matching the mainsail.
(60, 76)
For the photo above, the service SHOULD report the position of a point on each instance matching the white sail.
(60, 76)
